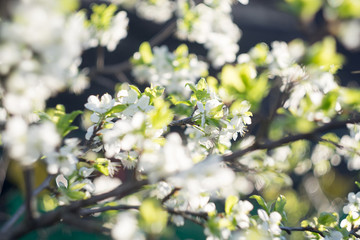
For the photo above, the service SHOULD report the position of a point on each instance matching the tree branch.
(90, 211)
(21, 209)
(181, 122)
(85, 225)
(4, 163)
(166, 32)
(292, 138)
(50, 218)
(100, 57)
(29, 201)
(288, 230)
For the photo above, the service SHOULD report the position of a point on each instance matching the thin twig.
(21, 209)
(28, 178)
(163, 34)
(90, 211)
(100, 58)
(4, 163)
(184, 121)
(167, 197)
(126, 65)
(181, 122)
(85, 225)
(288, 230)
(354, 230)
(289, 139)
(202, 215)
(52, 217)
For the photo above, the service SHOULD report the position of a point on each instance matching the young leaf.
(146, 53)
(230, 203)
(280, 206)
(261, 202)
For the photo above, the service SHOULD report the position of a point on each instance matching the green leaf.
(323, 54)
(161, 115)
(261, 202)
(217, 112)
(191, 86)
(69, 5)
(102, 166)
(153, 218)
(75, 195)
(280, 206)
(230, 203)
(62, 120)
(146, 53)
(116, 109)
(154, 92)
(357, 184)
(306, 9)
(202, 85)
(174, 101)
(230, 78)
(259, 53)
(328, 219)
(102, 15)
(350, 96)
(64, 123)
(48, 203)
(136, 89)
(349, 9)
(182, 50)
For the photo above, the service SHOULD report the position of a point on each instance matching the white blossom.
(126, 227)
(270, 223)
(110, 36)
(213, 28)
(27, 144)
(64, 161)
(104, 184)
(164, 70)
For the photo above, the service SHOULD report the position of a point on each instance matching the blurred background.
(260, 21)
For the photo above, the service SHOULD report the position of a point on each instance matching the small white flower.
(100, 106)
(105, 184)
(126, 227)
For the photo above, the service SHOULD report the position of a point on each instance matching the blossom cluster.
(210, 24)
(217, 125)
(172, 70)
(146, 8)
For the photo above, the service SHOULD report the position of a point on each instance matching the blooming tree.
(216, 140)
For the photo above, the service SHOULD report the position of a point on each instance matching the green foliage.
(280, 206)
(101, 164)
(69, 5)
(161, 116)
(348, 9)
(200, 91)
(305, 9)
(101, 16)
(230, 203)
(241, 82)
(328, 219)
(189, 17)
(261, 202)
(61, 119)
(154, 92)
(153, 219)
(259, 53)
(145, 54)
(323, 55)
